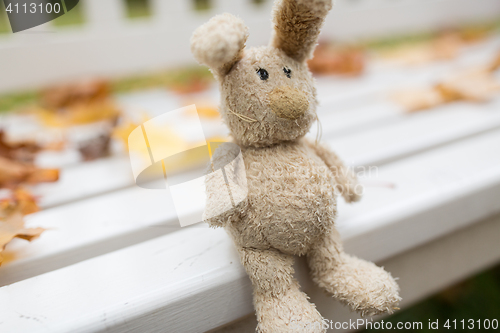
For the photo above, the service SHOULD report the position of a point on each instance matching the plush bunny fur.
(268, 101)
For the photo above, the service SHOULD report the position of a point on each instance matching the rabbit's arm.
(346, 180)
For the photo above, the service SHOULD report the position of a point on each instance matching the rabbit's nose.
(288, 103)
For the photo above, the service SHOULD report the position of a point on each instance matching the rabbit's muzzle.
(288, 103)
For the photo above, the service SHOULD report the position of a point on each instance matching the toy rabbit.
(268, 101)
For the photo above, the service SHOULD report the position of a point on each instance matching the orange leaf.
(23, 152)
(330, 60)
(418, 99)
(13, 173)
(12, 227)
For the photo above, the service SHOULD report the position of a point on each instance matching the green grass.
(14, 101)
(202, 5)
(4, 20)
(162, 79)
(74, 17)
(259, 2)
(477, 298)
(138, 8)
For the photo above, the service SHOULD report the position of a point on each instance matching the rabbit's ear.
(219, 43)
(297, 24)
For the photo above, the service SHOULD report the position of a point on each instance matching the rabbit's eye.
(288, 72)
(263, 74)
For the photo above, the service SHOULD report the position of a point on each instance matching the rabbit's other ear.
(297, 24)
(219, 43)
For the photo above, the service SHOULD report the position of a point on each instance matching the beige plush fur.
(268, 101)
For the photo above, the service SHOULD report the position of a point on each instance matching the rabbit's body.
(280, 189)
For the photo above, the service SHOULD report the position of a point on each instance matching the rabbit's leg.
(279, 304)
(362, 285)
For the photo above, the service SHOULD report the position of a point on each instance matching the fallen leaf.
(473, 85)
(12, 226)
(79, 114)
(81, 92)
(12, 213)
(474, 34)
(23, 152)
(444, 47)
(447, 46)
(477, 85)
(13, 173)
(189, 81)
(418, 99)
(495, 64)
(334, 60)
(55, 145)
(192, 86)
(43, 176)
(95, 148)
(21, 200)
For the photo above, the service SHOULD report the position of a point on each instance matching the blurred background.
(73, 89)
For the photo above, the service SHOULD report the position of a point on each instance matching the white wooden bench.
(115, 259)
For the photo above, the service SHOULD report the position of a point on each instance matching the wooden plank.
(165, 281)
(86, 180)
(407, 134)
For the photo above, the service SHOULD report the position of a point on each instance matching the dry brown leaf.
(495, 64)
(95, 148)
(473, 34)
(21, 200)
(77, 103)
(55, 145)
(79, 114)
(474, 85)
(43, 176)
(330, 60)
(193, 86)
(12, 211)
(85, 91)
(13, 173)
(12, 226)
(22, 152)
(446, 46)
(477, 85)
(418, 99)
